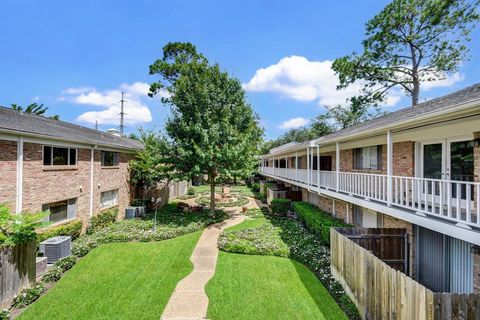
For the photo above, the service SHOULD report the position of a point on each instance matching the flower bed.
(284, 237)
(239, 201)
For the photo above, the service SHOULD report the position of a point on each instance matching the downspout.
(19, 189)
(92, 158)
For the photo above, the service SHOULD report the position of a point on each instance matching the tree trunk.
(235, 179)
(212, 193)
(415, 91)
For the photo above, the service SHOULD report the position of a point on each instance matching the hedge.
(280, 206)
(316, 220)
(72, 229)
(102, 220)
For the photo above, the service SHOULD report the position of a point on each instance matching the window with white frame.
(59, 156)
(109, 198)
(61, 210)
(110, 159)
(368, 158)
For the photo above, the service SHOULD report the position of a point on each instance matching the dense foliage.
(280, 206)
(238, 202)
(28, 295)
(19, 228)
(212, 129)
(73, 229)
(103, 219)
(317, 220)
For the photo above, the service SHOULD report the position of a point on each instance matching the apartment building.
(72, 171)
(417, 168)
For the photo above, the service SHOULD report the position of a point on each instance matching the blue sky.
(76, 56)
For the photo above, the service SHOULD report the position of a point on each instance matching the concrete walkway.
(189, 300)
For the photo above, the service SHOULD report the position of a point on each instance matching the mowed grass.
(266, 287)
(119, 281)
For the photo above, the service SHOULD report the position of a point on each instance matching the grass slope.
(265, 287)
(119, 281)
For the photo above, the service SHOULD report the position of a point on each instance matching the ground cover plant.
(284, 237)
(237, 202)
(266, 287)
(118, 281)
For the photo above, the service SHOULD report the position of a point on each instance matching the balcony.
(457, 202)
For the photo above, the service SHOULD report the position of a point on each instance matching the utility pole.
(122, 114)
(96, 124)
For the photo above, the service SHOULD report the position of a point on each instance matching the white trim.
(92, 158)
(389, 167)
(337, 164)
(19, 183)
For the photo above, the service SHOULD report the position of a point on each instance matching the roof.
(446, 102)
(28, 124)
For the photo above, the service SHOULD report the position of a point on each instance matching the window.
(109, 159)
(368, 158)
(61, 210)
(109, 198)
(59, 156)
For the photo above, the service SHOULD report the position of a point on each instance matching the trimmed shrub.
(317, 220)
(255, 187)
(28, 296)
(103, 219)
(191, 191)
(52, 275)
(280, 206)
(66, 263)
(73, 229)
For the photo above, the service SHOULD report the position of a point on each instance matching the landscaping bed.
(237, 201)
(284, 237)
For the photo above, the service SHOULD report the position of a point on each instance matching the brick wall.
(46, 184)
(8, 170)
(390, 222)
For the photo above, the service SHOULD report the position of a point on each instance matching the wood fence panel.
(17, 270)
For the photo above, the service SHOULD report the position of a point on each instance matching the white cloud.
(294, 123)
(136, 111)
(448, 81)
(300, 79)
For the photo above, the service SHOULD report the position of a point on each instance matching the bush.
(280, 206)
(103, 219)
(52, 275)
(73, 229)
(4, 314)
(28, 296)
(83, 246)
(255, 187)
(317, 220)
(191, 191)
(66, 263)
(19, 228)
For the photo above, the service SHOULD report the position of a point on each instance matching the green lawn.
(119, 281)
(266, 287)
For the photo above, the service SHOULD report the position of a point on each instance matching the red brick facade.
(47, 184)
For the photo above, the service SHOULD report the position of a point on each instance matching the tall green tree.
(34, 108)
(212, 128)
(410, 42)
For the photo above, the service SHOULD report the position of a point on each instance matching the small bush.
(191, 191)
(52, 275)
(256, 187)
(317, 220)
(4, 314)
(103, 219)
(280, 206)
(83, 246)
(28, 296)
(73, 229)
(66, 263)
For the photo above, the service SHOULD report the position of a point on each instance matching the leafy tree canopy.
(410, 42)
(34, 108)
(212, 129)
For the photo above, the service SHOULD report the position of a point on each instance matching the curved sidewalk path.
(189, 300)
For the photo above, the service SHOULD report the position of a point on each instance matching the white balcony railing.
(457, 201)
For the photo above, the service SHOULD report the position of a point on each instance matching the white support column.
(19, 184)
(296, 166)
(274, 169)
(308, 167)
(92, 158)
(389, 167)
(337, 164)
(318, 169)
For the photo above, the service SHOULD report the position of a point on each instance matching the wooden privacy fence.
(17, 270)
(381, 292)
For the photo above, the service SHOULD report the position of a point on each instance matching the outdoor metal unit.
(56, 248)
(141, 211)
(131, 212)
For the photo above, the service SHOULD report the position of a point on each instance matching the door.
(449, 159)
